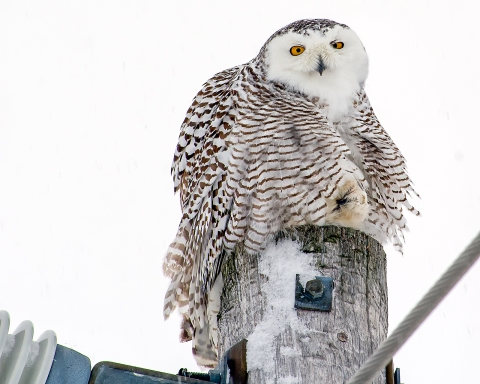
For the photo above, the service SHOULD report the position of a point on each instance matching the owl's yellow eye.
(337, 44)
(297, 50)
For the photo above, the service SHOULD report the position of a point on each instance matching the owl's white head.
(319, 58)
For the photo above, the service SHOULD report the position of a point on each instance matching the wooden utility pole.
(287, 345)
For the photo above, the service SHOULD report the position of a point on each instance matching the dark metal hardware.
(107, 372)
(396, 376)
(316, 295)
(211, 376)
(232, 369)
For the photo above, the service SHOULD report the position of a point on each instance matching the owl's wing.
(201, 133)
(385, 170)
(198, 170)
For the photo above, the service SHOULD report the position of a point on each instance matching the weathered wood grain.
(338, 342)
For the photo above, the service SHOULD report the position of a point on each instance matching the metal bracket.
(106, 372)
(316, 295)
(232, 369)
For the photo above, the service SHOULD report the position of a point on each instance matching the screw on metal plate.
(314, 288)
(316, 295)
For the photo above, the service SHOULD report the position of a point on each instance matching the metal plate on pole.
(314, 293)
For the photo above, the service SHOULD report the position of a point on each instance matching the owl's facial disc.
(331, 65)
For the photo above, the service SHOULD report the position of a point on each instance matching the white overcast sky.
(92, 94)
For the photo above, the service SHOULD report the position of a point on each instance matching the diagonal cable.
(384, 353)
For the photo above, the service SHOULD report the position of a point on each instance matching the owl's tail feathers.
(213, 309)
(204, 352)
(186, 330)
(175, 297)
(204, 338)
(173, 267)
(175, 259)
(171, 297)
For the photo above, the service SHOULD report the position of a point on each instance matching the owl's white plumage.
(280, 141)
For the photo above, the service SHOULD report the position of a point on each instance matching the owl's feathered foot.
(348, 206)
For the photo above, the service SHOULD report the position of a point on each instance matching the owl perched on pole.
(287, 139)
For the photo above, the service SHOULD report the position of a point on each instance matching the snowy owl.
(287, 139)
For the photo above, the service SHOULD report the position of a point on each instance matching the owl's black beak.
(321, 65)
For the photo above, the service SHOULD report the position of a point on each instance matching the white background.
(92, 94)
